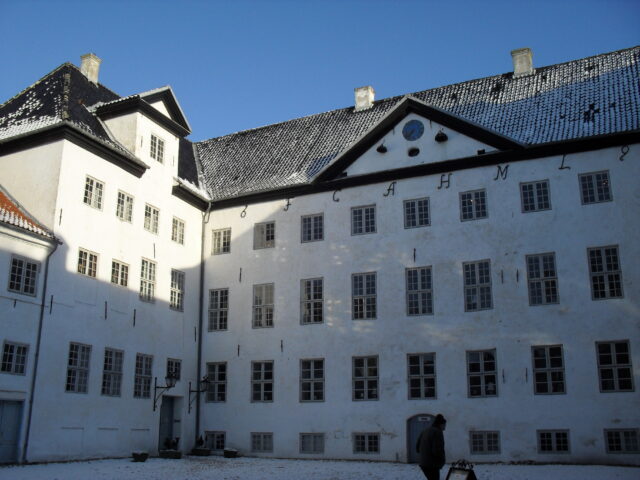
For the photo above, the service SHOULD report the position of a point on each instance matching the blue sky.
(236, 65)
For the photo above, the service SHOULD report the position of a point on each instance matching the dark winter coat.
(430, 446)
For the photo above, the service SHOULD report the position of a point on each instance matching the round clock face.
(413, 130)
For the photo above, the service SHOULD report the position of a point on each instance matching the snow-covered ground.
(217, 468)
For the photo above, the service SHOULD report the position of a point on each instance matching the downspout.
(37, 354)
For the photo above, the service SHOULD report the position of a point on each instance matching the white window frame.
(148, 269)
(262, 442)
(14, 358)
(312, 228)
(23, 276)
(142, 377)
(217, 386)
(216, 440)
(221, 241)
(119, 273)
(363, 220)
(473, 205)
(263, 305)
(112, 372)
(218, 309)
(617, 369)
(312, 443)
(367, 443)
(366, 384)
(548, 370)
(535, 196)
(481, 447)
(87, 263)
(312, 380)
(555, 442)
(364, 296)
(174, 368)
(542, 279)
(78, 365)
(421, 376)
(176, 293)
(595, 187)
(476, 286)
(156, 148)
(124, 206)
(177, 230)
(605, 272)
(93, 192)
(264, 235)
(262, 381)
(311, 301)
(419, 300)
(151, 218)
(628, 438)
(417, 212)
(488, 378)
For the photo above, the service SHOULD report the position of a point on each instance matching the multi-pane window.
(177, 231)
(176, 294)
(119, 273)
(142, 379)
(147, 280)
(87, 263)
(93, 190)
(482, 373)
(157, 148)
(624, 440)
(78, 368)
(542, 278)
(419, 291)
(218, 309)
(548, 369)
(614, 366)
(595, 187)
(365, 378)
(261, 442)
(311, 300)
(605, 272)
(151, 218)
(263, 305)
(217, 386)
(366, 443)
(553, 441)
(112, 372)
(477, 285)
(262, 381)
(312, 227)
(473, 205)
(312, 380)
(535, 196)
(363, 293)
(23, 277)
(221, 241)
(215, 440)
(124, 207)
(264, 235)
(312, 443)
(421, 369)
(484, 442)
(14, 358)
(416, 213)
(363, 220)
(174, 366)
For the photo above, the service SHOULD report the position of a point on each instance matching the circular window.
(413, 130)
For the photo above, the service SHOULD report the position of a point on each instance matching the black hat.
(439, 420)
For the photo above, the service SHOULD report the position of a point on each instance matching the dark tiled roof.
(12, 214)
(582, 98)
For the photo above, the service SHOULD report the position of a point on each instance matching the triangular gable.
(165, 100)
(479, 140)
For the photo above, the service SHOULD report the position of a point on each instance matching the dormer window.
(157, 148)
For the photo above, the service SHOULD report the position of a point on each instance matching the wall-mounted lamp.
(170, 380)
(201, 388)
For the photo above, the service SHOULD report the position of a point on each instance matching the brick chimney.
(90, 66)
(522, 62)
(364, 97)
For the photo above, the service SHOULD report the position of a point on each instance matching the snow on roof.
(12, 214)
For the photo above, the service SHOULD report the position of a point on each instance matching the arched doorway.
(415, 425)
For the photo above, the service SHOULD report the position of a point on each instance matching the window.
(363, 220)
(23, 277)
(264, 235)
(614, 366)
(421, 369)
(174, 366)
(365, 378)
(177, 231)
(366, 443)
(142, 380)
(473, 205)
(147, 280)
(482, 373)
(553, 441)
(218, 309)
(606, 276)
(87, 263)
(363, 291)
(221, 241)
(151, 218)
(176, 295)
(93, 190)
(312, 443)
(312, 380)
(119, 273)
(416, 213)
(595, 187)
(542, 278)
(14, 358)
(313, 228)
(311, 300)
(261, 442)
(217, 387)
(157, 148)
(263, 305)
(78, 368)
(262, 381)
(548, 369)
(535, 196)
(124, 207)
(485, 442)
(112, 372)
(477, 286)
(419, 291)
(215, 440)
(622, 440)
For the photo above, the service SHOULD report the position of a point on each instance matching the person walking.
(430, 446)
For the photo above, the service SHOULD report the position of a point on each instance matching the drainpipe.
(37, 354)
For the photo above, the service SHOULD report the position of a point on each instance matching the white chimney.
(364, 97)
(90, 66)
(522, 62)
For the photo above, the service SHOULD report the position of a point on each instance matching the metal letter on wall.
(444, 181)
(243, 213)
(502, 172)
(391, 190)
(624, 149)
(562, 165)
(286, 207)
(334, 195)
